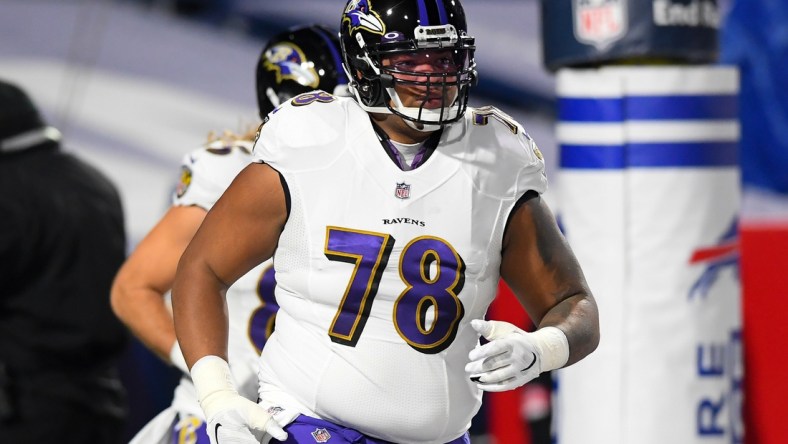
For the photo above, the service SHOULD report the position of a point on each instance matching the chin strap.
(423, 127)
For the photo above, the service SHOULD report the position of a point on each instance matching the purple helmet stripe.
(424, 19)
(442, 13)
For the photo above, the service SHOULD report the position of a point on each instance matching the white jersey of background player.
(205, 174)
(390, 217)
(297, 60)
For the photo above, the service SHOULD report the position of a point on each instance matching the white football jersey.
(380, 271)
(205, 174)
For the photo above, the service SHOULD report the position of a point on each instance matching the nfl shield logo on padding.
(402, 191)
(321, 435)
(599, 22)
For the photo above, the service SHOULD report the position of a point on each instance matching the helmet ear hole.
(369, 91)
(386, 80)
(360, 64)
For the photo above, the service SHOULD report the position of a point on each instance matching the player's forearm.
(144, 312)
(577, 316)
(199, 310)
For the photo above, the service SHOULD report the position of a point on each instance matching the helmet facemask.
(443, 90)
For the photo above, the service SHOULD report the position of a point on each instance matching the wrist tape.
(211, 376)
(553, 347)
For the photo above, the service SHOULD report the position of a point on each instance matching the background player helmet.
(296, 61)
(372, 29)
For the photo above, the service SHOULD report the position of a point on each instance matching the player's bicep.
(537, 262)
(243, 227)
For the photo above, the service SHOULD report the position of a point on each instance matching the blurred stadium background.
(135, 84)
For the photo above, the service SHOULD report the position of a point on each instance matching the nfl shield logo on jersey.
(402, 191)
(321, 435)
(273, 410)
(599, 22)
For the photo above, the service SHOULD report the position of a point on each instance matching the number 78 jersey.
(379, 271)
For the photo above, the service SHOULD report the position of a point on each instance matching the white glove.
(232, 419)
(513, 356)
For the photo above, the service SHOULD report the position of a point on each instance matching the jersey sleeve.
(208, 171)
(532, 175)
(306, 132)
(503, 159)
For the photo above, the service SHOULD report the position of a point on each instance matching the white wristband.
(553, 347)
(177, 359)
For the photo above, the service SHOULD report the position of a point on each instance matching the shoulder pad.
(307, 132)
(208, 171)
(505, 159)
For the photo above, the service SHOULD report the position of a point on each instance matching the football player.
(391, 216)
(293, 62)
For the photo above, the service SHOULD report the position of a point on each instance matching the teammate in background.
(390, 217)
(296, 61)
(62, 239)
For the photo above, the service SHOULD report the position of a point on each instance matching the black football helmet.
(296, 61)
(373, 29)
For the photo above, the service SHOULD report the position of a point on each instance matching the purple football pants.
(304, 430)
(308, 430)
